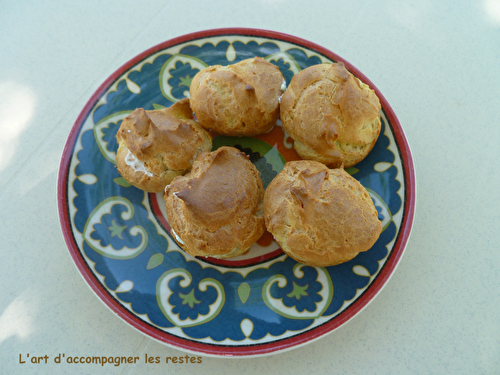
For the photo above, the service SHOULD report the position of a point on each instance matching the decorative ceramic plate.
(262, 302)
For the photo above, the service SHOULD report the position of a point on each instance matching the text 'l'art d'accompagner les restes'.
(26, 359)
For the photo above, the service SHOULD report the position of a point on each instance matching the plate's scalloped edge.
(257, 349)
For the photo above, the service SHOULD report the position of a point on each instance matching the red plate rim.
(257, 349)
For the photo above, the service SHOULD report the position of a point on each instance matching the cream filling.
(177, 238)
(283, 86)
(136, 164)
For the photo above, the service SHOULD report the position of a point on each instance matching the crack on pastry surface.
(331, 115)
(238, 100)
(155, 146)
(320, 216)
(216, 209)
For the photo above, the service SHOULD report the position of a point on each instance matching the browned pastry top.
(320, 216)
(331, 115)
(216, 209)
(166, 141)
(238, 100)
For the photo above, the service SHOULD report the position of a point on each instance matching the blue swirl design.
(114, 231)
(110, 136)
(122, 99)
(301, 294)
(384, 184)
(190, 301)
(181, 79)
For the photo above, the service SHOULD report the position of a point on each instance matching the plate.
(257, 304)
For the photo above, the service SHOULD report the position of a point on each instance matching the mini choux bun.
(156, 146)
(331, 115)
(238, 100)
(216, 209)
(320, 216)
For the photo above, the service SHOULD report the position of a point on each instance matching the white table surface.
(438, 65)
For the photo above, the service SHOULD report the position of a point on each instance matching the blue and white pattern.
(137, 261)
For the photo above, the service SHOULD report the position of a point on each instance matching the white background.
(438, 65)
